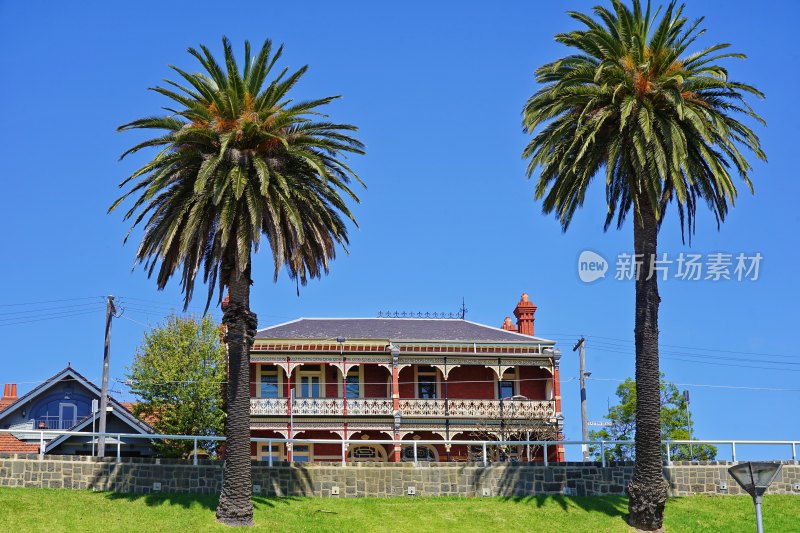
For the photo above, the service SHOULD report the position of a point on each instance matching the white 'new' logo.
(591, 266)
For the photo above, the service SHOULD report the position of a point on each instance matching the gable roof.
(70, 372)
(83, 424)
(395, 329)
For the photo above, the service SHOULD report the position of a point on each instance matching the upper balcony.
(512, 409)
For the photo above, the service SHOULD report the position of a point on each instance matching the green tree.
(660, 124)
(676, 424)
(239, 158)
(177, 374)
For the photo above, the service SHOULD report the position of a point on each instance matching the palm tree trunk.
(235, 503)
(647, 490)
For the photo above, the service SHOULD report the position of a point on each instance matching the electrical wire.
(49, 317)
(50, 301)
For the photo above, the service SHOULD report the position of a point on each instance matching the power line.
(50, 301)
(49, 317)
(695, 348)
(20, 312)
(711, 386)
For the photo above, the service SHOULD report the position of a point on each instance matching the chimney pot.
(524, 312)
(6, 390)
(508, 325)
(14, 390)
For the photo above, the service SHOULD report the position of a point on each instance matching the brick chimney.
(508, 325)
(524, 312)
(9, 395)
(10, 392)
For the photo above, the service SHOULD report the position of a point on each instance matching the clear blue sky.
(437, 92)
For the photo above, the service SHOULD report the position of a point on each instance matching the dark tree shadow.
(569, 485)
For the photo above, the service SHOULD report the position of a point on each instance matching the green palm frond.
(631, 102)
(239, 159)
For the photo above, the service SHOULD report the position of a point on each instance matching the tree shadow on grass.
(536, 485)
(186, 501)
(615, 506)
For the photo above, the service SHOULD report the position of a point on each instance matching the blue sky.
(437, 92)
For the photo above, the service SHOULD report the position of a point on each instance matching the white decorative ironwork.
(318, 406)
(512, 409)
(369, 406)
(268, 406)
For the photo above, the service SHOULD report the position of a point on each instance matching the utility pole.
(101, 441)
(581, 344)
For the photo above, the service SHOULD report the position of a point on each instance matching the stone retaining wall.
(369, 479)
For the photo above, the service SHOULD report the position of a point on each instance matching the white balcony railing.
(268, 406)
(512, 409)
(456, 408)
(321, 406)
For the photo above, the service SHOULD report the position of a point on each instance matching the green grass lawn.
(65, 510)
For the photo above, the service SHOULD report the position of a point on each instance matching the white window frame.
(435, 374)
(300, 373)
(262, 370)
(514, 378)
(61, 406)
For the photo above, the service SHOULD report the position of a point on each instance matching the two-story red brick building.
(404, 379)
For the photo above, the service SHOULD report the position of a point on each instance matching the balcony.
(457, 408)
(433, 408)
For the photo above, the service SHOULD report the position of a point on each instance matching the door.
(67, 415)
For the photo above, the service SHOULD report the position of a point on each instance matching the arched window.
(425, 452)
(366, 453)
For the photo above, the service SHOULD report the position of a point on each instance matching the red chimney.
(524, 312)
(508, 325)
(9, 392)
(9, 396)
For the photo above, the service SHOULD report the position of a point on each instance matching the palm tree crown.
(632, 101)
(239, 159)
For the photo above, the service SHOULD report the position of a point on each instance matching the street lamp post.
(755, 478)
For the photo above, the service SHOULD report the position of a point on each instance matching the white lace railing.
(369, 406)
(512, 409)
(318, 406)
(269, 406)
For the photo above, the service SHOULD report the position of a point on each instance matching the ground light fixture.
(755, 478)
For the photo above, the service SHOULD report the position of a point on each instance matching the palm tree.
(659, 122)
(239, 159)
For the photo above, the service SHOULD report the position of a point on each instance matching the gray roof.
(394, 329)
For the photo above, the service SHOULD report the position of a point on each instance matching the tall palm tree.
(239, 159)
(660, 124)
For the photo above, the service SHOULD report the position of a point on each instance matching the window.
(425, 452)
(505, 389)
(270, 381)
(353, 383)
(507, 385)
(367, 453)
(264, 451)
(302, 453)
(426, 382)
(311, 381)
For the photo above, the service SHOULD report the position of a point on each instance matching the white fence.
(789, 445)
